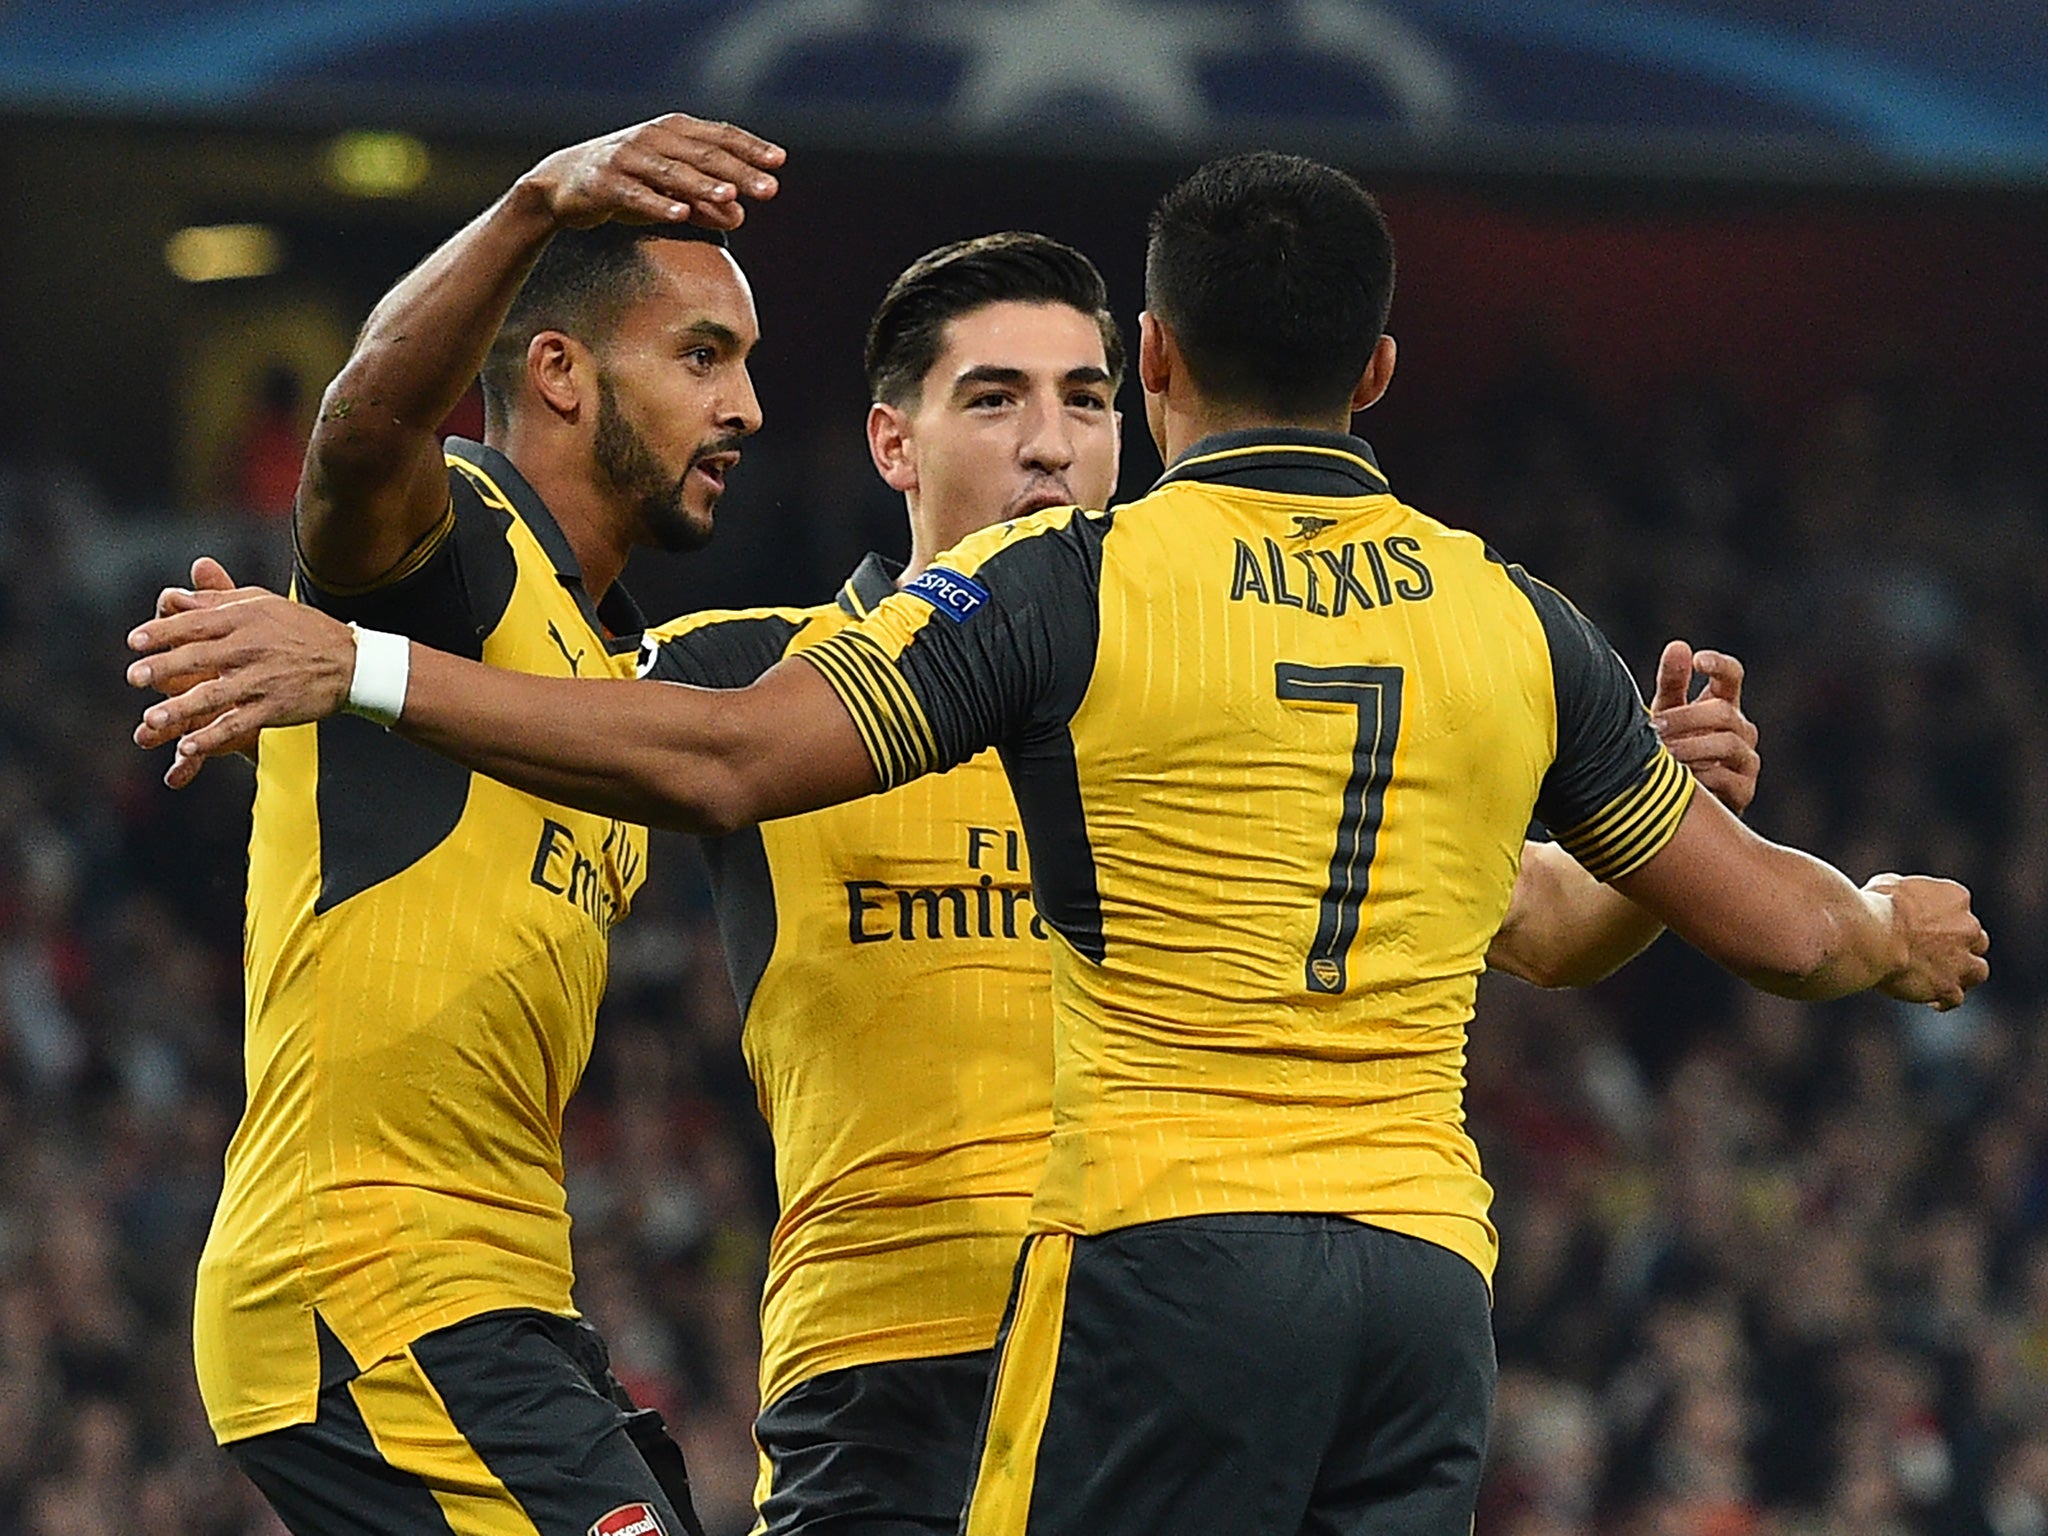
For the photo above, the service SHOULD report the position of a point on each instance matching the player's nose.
(740, 410)
(1048, 442)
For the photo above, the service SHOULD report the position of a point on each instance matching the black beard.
(624, 459)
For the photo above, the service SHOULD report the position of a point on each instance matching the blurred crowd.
(1768, 1270)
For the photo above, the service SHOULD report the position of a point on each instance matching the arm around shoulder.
(235, 663)
(701, 760)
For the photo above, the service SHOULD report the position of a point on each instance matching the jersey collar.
(616, 617)
(1291, 461)
(872, 580)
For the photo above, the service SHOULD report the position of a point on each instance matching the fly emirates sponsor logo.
(991, 900)
(593, 880)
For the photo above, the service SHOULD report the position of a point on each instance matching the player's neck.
(597, 531)
(592, 527)
(932, 533)
(1189, 422)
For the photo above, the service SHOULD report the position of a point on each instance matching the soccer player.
(885, 954)
(889, 966)
(1274, 737)
(383, 1328)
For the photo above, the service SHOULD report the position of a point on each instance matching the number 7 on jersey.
(1376, 694)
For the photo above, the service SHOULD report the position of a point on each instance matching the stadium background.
(1727, 316)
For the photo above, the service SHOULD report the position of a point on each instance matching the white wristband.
(377, 691)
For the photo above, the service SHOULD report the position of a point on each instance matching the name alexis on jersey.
(1361, 574)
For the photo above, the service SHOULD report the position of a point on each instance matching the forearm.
(659, 754)
(1780, 919)
(232, 664)
(1564, 928)
(700, 760)
(1826, 938)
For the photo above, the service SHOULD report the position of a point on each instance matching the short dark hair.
(1015, 267)
(584, 281)
(1274, 274)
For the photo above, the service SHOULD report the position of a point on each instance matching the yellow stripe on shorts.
(410, 1426)
(1001, 1502)
(764, 1484)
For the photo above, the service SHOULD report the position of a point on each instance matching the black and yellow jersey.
(891, 969)
(1276, 738)
(424, 957)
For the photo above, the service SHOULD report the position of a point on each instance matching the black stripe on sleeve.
(1636, 825)
(1613, 796)
(1014, 667)
(451, 590)
(891, 722)
(1017, 668)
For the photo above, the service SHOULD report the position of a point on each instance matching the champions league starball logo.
(1152, 65)
(1533, 83)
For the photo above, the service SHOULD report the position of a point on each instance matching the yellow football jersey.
(892, 972)
(1276, 738)
(424, 957)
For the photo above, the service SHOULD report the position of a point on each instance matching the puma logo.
(574, 658)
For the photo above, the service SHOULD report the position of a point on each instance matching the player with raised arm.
(1274, 738)
(383, 1329)
(889, 966)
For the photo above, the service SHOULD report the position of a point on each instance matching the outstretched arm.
(374, 484)
(700, 760)
(1566, 929)
(1788, 923)
(920, 693)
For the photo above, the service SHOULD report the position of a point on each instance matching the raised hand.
(1709, 734)
(664, 171)
(1945, 944)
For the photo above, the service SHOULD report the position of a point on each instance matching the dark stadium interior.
(1767, 1268)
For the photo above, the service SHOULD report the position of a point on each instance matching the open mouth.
(713, 467)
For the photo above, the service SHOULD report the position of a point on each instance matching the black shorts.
(1250, 1374)
(873, 1450)
(508, 1424)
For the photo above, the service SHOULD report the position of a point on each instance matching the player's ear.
(1379, 373)
(892, 447)
(1155, 354)
(560, 371)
